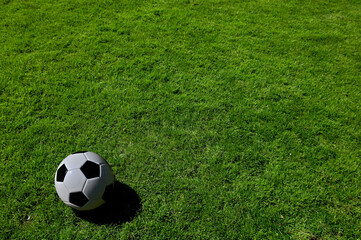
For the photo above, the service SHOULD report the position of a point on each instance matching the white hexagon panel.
(91, 156)
(62, 191)
(106, 174)
(74, 161)
(74, 180)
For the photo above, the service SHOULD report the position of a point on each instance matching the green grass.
(229, 119)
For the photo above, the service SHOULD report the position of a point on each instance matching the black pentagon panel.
(78, 199)
(90, 170)
(60, 175)
(108, 192)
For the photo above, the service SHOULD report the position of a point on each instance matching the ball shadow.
(123, 205)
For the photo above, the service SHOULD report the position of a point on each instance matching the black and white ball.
(84, 180)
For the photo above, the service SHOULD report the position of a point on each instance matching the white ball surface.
(83, 180)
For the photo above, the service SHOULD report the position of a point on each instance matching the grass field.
(229, 119)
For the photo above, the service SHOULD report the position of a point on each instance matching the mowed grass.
(229, 119)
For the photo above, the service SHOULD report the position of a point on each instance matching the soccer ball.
(84, 180)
